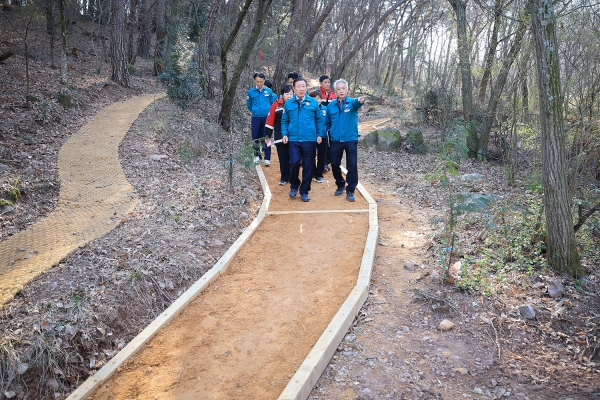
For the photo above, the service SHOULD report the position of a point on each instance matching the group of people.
(322, 124)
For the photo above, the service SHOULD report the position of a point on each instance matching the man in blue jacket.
(302, 128)
(258, 101)
(341, 119)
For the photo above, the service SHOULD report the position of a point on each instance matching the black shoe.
(350, 196)
(340, 190)
(282, 182)
(305, 197)
(293, 192)
(319, 179)
(327, 168)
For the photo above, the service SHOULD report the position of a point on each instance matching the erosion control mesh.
(94, 197)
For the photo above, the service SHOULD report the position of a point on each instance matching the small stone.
(477, 391)
(248, 190)
(472, 177)
(245, 214)
(555, 288)
(405, 329)
(409, 265)
(446, 325)
(493, 383)
(527, 312)
(157, 157)
(10, 394)
(367, 390)
(462, 371)
(454, 272)
(52, 384)
(4, 167)
(216, 243)
(435, 277)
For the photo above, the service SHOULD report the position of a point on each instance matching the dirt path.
(94, 197)
(247, 334)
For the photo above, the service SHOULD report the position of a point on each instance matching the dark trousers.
(283, 152)
(258, 132)
(337, 152)
(302, 153)
(321, 158)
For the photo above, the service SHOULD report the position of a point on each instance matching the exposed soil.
(251, 330)
(396, 349)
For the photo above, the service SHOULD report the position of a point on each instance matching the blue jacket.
(343, 124)
(302, 123)
(259, 102)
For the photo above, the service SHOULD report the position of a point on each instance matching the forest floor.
(71, 320)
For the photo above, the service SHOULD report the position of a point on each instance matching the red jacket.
(273, 124)
(327, 96)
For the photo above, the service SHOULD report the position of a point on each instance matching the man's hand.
(319, 140)
(285, 139)
(361, 100)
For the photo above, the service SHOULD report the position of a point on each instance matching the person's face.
(318, 98)
(341, 90)
(326, 84)
(288, 95)
(291, 81)
(259, 82)
(300, 89)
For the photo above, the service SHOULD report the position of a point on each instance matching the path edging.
(307, 375)
(92, 383)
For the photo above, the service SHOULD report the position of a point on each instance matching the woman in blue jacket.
(258, 101)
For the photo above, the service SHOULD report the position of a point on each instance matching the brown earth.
(245, 336)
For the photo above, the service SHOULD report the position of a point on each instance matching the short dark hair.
(300, 79)
(315, 93)
(286, 89)
(323, 77)
(258, 75)
(268, 84)
(294, 75)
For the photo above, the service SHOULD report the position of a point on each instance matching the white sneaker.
(256, 160)
(267, 162)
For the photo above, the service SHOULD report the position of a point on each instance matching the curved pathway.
(94, 197)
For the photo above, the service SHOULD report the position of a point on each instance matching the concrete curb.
(314, 364)
(92, 383)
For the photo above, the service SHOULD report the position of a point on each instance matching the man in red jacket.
(325, 87)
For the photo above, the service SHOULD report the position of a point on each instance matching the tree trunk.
(63, 37)
(229, 42)
(460, 8)
(161, 38)
(561, 247)
(284, 53)
(499, 86)
(229, 94)
(309, 36)
(146, 30)
(132, 27)
(117, 43)
(49, 11)
(491, 52)
(203, 49)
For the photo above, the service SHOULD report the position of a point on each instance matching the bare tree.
(145, 29)
(464, 59)
(561, 247)
(63, 37)
(117, 43)
(229, 93)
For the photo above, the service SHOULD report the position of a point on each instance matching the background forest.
(511, 85)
